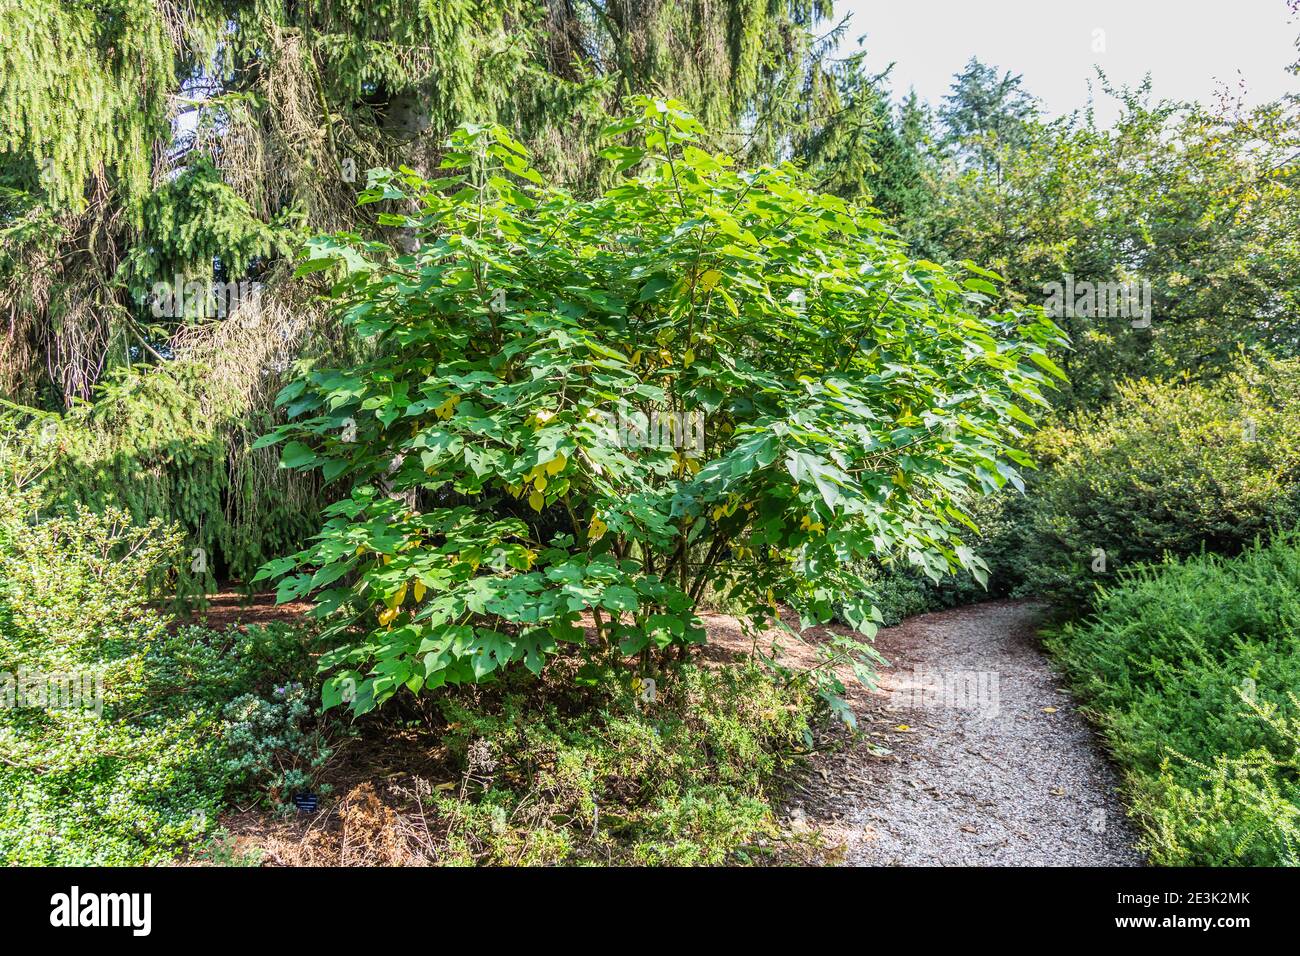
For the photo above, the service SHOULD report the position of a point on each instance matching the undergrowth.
(1191, 668)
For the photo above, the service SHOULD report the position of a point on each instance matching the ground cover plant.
(1192, 668)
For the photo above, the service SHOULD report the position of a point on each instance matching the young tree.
(985, 114)
(705, 379)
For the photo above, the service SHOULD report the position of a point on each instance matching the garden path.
(974, 754)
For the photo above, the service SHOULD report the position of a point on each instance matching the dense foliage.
(146, 145)
(1194, 202)
(113, 749)
(84, 781)
(1167, 468)
(141, 140)
(830, 397)
(1193, 668)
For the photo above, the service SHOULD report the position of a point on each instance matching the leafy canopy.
(505, 473)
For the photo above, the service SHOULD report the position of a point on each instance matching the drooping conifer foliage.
(193, 145)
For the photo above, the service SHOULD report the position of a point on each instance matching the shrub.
(827, 400)
(127, 770)
(102, 775)
(1168, 468)
(273, 744)
(1191, 668)
(213, 668)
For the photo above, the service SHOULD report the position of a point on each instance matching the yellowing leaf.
(419, 591)
(710, 279)
(535, 501)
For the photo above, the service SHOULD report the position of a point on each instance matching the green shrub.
(111, 775)
(1169, 468)
(128, 769)
(211, 668)
(1247, 809)
(826, 399)
(1191, 669)
(274, 744)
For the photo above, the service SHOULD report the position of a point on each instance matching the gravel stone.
(991, 763)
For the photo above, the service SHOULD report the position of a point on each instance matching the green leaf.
(617, 597)
(297, 455)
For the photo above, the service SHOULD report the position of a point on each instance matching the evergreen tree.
(985, 113)
(159, 161)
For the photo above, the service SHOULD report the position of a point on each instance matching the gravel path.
(974, 756)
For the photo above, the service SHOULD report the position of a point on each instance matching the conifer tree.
(153, 154)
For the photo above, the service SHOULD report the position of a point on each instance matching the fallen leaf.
(1049, 710)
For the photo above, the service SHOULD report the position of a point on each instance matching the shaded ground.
(232, 607)
(973, 755)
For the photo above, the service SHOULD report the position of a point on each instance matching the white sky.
(1191, 48)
